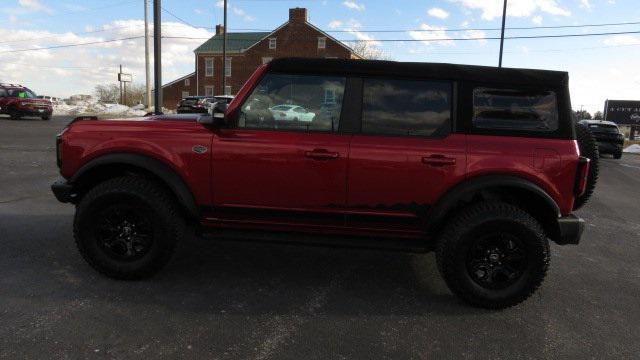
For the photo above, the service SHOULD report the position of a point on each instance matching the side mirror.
(216, 114)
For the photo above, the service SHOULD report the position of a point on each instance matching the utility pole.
(157, 51)
(120, 81)
(147, 62)
(504, 17)
(224, 49)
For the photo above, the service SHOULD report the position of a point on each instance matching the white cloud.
(432, 35)
(537, 20)
(622, 40)
(35, 6)
(438, 13)
(334, 24)
(236, 10)
(492, 9)
(585, 4)
(72, 70)
(351, 4)
(476, 34)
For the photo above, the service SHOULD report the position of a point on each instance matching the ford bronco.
(481, 165)
(18, 101)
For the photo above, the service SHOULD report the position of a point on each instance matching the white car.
(291, 113)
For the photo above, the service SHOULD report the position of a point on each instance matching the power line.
(452, 30)
(449, 39)
(342, 40)
(177, 17)
(72, 45)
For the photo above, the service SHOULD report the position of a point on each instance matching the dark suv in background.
(608, 136)
(18, 101)
(200, 104)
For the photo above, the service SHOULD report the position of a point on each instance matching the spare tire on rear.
(588, 148)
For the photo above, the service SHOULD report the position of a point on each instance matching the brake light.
(582, 175)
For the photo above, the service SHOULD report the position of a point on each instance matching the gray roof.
(236, 42)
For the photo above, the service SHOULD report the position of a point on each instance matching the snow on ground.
(92, 107)
(634, 149)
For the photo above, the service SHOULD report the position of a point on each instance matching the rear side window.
(518, 110)
(406, 107)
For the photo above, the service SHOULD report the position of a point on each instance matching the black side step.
(402, 245)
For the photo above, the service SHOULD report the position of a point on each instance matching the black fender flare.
(467, 188)
(167, 175)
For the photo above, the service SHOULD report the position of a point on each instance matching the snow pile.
(634, 149)
(92, 107)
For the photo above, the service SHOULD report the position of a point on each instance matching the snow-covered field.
(633, 149)
(92, 107)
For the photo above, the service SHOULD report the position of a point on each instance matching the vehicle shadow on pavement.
(231, 277)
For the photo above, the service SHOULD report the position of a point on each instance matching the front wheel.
(46, 117)
(127, 227)
(493, 255)
(617, 154)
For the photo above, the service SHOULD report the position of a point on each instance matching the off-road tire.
(167, 225)
(458, 238)
(46, 118)
(588, 148)
(14, 116)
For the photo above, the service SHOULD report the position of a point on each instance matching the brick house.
(248, 50)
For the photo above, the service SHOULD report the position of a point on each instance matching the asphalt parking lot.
(226, 300)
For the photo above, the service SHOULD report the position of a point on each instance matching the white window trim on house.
(273, 43)
(208, 90)
(185, 94)
(322, 42)
(228, 67)
(187, 82)
(227, 90)
(209, 71)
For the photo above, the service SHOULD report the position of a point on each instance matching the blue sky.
(600, 67)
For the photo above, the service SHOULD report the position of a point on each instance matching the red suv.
(476, 163)
(18, 101)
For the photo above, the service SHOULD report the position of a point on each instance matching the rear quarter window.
(515, 110)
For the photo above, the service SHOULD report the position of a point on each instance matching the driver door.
(279, 166)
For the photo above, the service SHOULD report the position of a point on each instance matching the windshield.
(21, 93)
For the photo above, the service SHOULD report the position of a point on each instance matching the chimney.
(219, 29)
(297, 15)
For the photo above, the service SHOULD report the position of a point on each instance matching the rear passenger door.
(404, 155)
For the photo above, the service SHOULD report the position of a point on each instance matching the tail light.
(582, 175)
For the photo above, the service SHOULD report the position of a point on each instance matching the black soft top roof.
(416, 70)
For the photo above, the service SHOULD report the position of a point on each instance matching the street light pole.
(504, 16)
(157, 51)
(224, 49)
(147, 62)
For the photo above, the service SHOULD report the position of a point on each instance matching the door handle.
(321, 154)
(438, 160)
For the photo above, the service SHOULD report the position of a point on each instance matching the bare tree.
(369, 51)
(107, 93)
(598, 115)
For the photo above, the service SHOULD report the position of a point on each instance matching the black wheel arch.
(511, 189)
(116, 164)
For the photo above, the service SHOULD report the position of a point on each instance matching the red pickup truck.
(479, 164)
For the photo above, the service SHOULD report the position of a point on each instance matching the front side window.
(406, 107)
(21, 93)
(510, 109)
(294, 102)
(208, 67)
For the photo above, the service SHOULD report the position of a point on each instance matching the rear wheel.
(14, 115)
(588, 148)
(46, 117)
(493, 255)
(127, 227)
